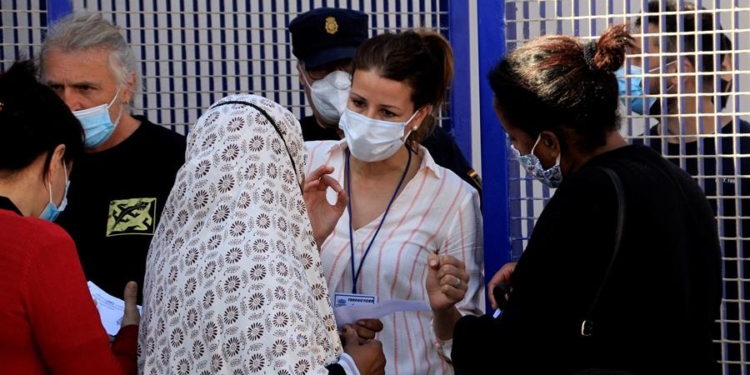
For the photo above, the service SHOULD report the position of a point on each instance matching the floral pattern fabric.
(234, 283)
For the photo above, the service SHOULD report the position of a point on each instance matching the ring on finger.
(457, 283)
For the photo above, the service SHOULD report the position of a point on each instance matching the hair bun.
(589, 52)
(609, 51)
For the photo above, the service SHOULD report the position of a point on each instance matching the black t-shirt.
(661, 296)
(719, 180)
(712, 162)
(115, 200)
(440, 144)
(311, 131)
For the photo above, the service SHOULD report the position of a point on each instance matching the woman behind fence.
(234, 284)
(622, 270)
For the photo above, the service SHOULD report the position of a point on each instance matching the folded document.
(111, 309)
(351, 314)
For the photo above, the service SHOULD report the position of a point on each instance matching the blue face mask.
(51, 211)
(551, 177)
(640, 103)
(96, 123)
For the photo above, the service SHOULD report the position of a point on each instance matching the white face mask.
(96, 122)
(370, 139)
(329, 94)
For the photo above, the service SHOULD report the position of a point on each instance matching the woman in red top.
(48, 321)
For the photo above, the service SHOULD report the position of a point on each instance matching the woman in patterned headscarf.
(234, 283)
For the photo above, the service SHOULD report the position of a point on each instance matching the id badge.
(349, 299)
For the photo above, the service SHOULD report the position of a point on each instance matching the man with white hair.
(119, 187)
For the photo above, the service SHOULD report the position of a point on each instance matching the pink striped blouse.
(437, 212)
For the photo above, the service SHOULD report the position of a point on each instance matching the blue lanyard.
(355, 275)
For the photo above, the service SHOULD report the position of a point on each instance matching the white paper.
(351, 314)
(111, 309)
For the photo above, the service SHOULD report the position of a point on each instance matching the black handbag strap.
(273, 123)
(587, 325)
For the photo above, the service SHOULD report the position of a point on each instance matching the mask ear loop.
(665, 68)
(557, 159)
(303, 72)
(49, 189)
(119, 116)
(406, 138)
(49, 183)
(64, 202)
(539, 138)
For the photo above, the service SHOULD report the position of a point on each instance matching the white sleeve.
(464, 242)
(347, 362)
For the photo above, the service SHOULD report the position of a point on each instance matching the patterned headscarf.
(234, 283)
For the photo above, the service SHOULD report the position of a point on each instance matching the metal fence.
(195, 52)
(22, 25)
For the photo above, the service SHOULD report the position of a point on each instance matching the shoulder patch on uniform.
(475, 177)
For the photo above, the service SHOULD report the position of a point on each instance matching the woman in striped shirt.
(404, 211)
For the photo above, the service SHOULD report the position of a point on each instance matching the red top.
(48, 320)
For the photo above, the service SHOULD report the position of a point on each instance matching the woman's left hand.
(130, 313)
(447, 281)
(323, 215)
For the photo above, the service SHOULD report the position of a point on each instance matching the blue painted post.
(460, 109)
(57, 9)
(497, 250)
